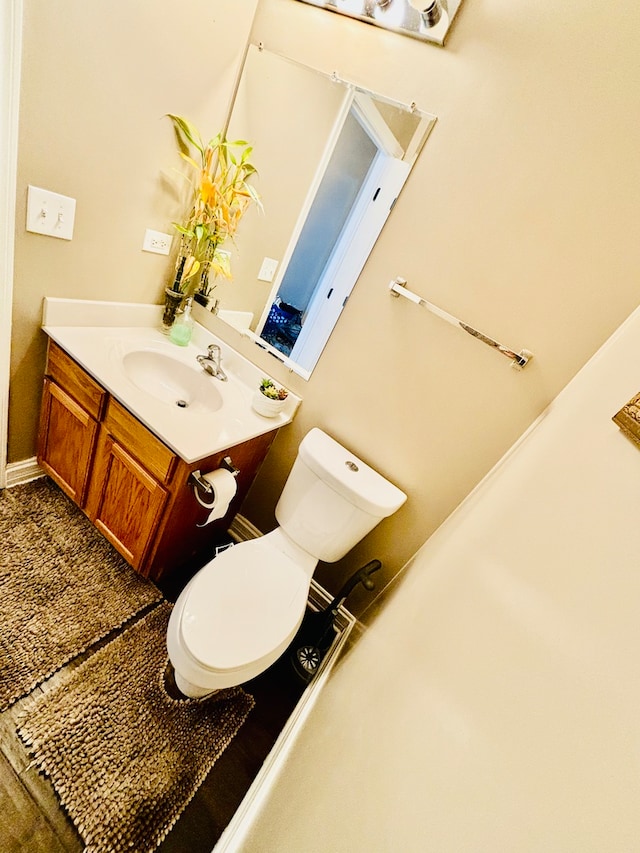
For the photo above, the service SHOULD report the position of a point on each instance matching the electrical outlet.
(268, 269)
(157, 242)
(50, 213)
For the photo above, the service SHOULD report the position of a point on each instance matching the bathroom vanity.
(103, 440)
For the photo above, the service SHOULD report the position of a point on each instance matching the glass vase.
(205, 269)
(172, 302)
(201, 299)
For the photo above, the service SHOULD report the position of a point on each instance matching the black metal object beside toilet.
(317, 631)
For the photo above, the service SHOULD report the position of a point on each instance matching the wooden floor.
(32, 820)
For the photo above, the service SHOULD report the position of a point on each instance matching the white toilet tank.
(332, 499)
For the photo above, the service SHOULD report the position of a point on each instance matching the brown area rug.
(62, 586)
(124, 757)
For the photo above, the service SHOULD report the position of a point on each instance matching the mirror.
(331, 160)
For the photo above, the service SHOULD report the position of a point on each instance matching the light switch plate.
(50, 213)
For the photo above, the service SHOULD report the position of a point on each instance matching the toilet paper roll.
(224, 488)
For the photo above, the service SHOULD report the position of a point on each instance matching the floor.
(34, 822)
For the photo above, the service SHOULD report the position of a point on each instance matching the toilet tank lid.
(349, 476)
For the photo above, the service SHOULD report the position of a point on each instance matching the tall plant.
(221, 194)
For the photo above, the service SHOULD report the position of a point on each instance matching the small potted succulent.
(269, 399)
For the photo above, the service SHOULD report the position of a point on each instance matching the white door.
(10, 57)
(384, 182)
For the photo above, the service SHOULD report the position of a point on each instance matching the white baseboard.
(241, 529)
(23, 472)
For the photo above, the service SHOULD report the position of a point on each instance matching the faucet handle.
(213, 350)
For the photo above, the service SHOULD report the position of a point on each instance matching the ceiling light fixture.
(427, 20)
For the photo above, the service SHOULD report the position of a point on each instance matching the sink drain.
(182, 404)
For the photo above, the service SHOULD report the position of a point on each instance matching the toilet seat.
(242, 605)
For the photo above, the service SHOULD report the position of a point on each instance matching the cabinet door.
(125, 501)
(66, 441)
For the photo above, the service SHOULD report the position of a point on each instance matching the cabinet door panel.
(126, 502)
(64, 371)
(66, 441)
(140, 442)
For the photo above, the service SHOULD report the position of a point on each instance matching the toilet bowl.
(241, 611)
(238, 614)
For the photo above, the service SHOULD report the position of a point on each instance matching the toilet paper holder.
(199, 480)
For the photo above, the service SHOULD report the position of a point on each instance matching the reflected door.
(353, 200)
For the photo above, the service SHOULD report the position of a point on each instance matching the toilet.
(241, 611)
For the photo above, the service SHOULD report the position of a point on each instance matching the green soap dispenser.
(182, 329)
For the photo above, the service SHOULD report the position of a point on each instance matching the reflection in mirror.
(331, 160)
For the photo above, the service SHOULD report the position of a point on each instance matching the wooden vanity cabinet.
(133, 487)
(72, 405)
(126, 493)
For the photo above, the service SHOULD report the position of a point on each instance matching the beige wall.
(520, 216)
(97, 80)
(492, 707)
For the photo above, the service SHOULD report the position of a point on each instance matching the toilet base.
(191, 691)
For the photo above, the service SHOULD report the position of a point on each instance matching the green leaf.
(187, 130)
(182, 230)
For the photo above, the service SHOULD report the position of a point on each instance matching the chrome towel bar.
(518, 359)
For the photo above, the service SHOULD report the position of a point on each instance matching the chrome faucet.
(211, 362)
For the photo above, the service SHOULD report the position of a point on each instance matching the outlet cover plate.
(268, 269)
(157, 242)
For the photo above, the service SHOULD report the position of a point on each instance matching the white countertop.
(100, 344)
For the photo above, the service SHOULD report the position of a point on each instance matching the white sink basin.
(154, 379)
(171, 381)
